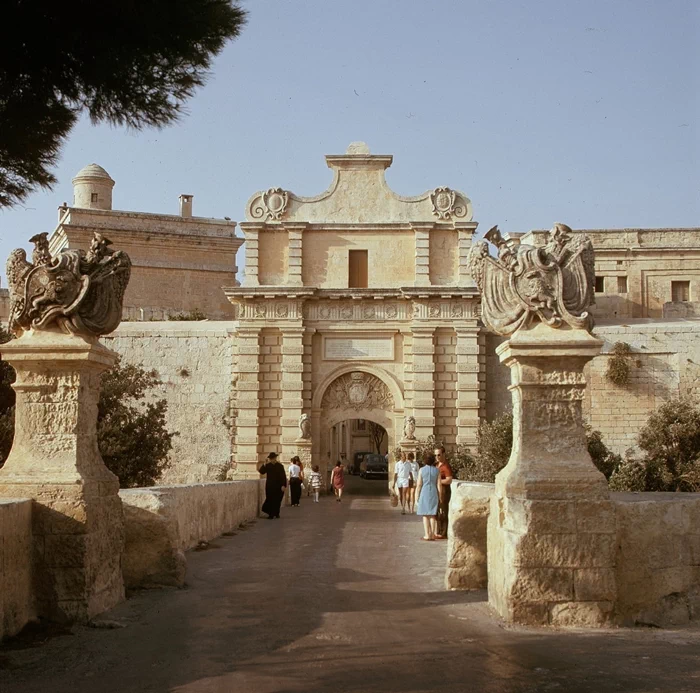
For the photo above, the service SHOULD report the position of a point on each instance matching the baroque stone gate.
(356, 303)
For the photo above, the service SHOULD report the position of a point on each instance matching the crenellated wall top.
(359, 194)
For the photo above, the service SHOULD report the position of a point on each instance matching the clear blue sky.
(582, 111)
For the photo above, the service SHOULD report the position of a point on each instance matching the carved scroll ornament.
(270, 204)
(357, 391)
(75, 291)
(553, 284)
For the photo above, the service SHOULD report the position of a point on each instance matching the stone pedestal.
(78, 529)
(551, 532)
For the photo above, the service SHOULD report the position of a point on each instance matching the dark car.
(357, 461)
(374, 467)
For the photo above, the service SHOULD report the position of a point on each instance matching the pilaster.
(423, 360)
(292, 385)
(251, 255)
(422, 257)
(464, 244)
(471, 376)
(247, 388)
(294, 259)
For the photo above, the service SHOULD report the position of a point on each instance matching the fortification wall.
(194, 361)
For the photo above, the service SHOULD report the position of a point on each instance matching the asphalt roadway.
(335, 597)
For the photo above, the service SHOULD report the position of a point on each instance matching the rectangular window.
(680, 291)
(357, 269)
(600, 285)
(622, 285)
(93, 197)
(360, 424)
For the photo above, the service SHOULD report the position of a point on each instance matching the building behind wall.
(179, 262)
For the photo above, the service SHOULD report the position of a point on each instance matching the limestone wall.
(466, 535)
(665, 362)
(16, 595)
(658, 558)
(162, 522)
(194, 361)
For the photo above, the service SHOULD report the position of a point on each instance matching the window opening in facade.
(622, 285)
(93, 197)
(680, 292)
(357, 269)
(600, 285)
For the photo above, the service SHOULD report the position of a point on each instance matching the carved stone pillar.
(471, 364)
(422, 241)
(247, 402)
(551, 535)
(77, 520)
(294, 259)
(423, 358)
(251, 277)
(292, 385)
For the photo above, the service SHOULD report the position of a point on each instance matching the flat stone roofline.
(175, 328)
(648, 324)
(149, 222)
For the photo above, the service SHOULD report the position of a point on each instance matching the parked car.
(357, 461)
(374, 466)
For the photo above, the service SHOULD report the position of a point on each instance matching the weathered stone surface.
(77, 520)
(466, 537)
(581, 614)
(17, 606)
(657, 566)
(162, 522)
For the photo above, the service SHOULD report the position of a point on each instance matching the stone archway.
(355, 391)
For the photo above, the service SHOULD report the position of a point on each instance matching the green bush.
(618, 371)
(190, 315)
(603, 458)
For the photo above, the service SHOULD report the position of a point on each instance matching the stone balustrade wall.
(657, 565)
(16, 594)
(162, 522)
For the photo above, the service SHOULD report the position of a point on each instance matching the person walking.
(338, 480)
(295, 481)
(315, 482)
(412, 482)
(275, 486)
(402, 476)
(444, 491)
(427, 492)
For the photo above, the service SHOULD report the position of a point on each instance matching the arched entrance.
(354, 392)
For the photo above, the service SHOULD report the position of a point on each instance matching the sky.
(581, 111)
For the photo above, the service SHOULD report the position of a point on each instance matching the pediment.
(359, 194)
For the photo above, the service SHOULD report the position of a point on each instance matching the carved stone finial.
(305, 427)
(553, 284)
(77, 292)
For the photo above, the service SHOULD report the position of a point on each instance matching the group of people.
(425, 490)
(277, 479)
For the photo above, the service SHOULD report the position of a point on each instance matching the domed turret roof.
(93, 171)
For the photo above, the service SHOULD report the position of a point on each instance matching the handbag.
(394, 500)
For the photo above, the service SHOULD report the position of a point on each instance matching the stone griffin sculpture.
(76, 291)
(554, 283)
(305, 427)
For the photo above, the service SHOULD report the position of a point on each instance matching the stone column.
(551, 535)
(77, 520)
(247, 404)
(423, 356)
(471, 365)
(292, 386)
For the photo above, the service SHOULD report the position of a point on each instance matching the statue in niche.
(409, 428)
(553, 284)
(76, 292)
(305, 427)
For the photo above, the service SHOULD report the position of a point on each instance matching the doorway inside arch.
(353, 439)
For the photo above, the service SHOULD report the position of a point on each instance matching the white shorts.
(402, 483)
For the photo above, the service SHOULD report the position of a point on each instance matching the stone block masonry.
(194, 361)
(16, 593)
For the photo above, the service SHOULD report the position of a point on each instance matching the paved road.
(338, 597)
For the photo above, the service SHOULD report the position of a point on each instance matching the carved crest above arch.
(357, 390)
(270, 204)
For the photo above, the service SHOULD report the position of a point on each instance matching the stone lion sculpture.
(553, 284)
(305, 427)
(75, 291)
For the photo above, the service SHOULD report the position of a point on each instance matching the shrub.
(603, 458)
(132, 435)
(190, 315)
(618, 372)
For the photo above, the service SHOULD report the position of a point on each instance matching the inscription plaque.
(365, 348)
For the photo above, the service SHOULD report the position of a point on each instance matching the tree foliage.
(376, 433)
(132, 434)
(123, 62)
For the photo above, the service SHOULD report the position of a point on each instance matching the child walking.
(315, 482)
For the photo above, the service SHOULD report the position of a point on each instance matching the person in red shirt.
(444, 491)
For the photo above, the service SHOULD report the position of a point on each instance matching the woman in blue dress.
(427, 492)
